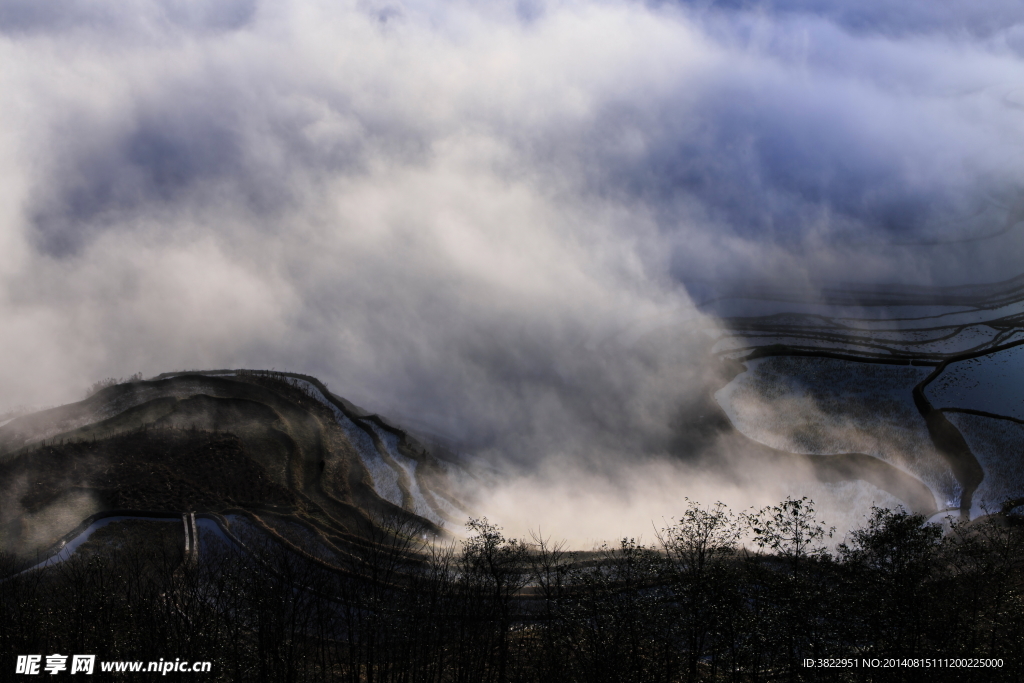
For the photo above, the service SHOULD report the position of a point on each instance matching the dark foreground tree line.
(693, 606)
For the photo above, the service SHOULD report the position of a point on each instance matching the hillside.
(276, 449)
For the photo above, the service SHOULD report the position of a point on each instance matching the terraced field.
(826, 406)
(276, 450)
(989, 383)
(999, 447)
(907, 396)
(926, 380)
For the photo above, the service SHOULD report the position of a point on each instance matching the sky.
(468, 213)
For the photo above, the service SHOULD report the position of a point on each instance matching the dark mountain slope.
(261, 443)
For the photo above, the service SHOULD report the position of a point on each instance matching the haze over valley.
(566, 238)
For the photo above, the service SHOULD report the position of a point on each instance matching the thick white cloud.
(446, 209)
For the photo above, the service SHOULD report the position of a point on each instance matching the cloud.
(459, 212)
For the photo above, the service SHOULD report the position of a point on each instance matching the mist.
(492, 220)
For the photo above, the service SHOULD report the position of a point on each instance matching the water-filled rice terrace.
(926, 380)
